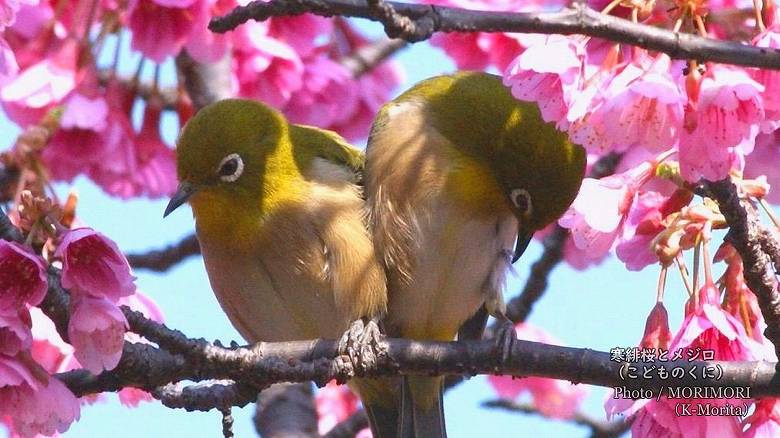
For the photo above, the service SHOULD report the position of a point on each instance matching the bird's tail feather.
(422, 408)
(382, 400)
(383, 420)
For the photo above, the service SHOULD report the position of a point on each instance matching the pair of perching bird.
(456, 172)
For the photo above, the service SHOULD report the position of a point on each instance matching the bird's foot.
(505, 337)
(359, 343)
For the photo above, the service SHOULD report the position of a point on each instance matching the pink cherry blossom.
(464, 49)
(300, 32)
(597, 215)
(723, 125)
(84, 112)
(553, 398)
(741, 302)
(334, 404)
(22, 277)
(96, 330)
(117, 171)
(373, 90)
(328, 96)
(15, 334)
(480, 50)
(763, 161)
(643, 223)
(31, 19)
(48, 349)
(46, 82)
(92, 264)
(765, 420)
(770, 79)
(657, 333)
(642, 106)
(8, 9)
(204, 45)
(49, 409)
(535, 76)
(709, 327)
(13, 373)
(155, 165)
(144, 304)
(83, 139)
(162, 27)
(658, 419)
(132, 397)
(8, 65)
(267, 69)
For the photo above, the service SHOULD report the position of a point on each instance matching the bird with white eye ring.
(280, 222)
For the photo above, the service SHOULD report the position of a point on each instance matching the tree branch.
(365, 58)
(205, 396)
(261, 364)
(287, 411)
(160, 260)
(577, 19)
(598, 428)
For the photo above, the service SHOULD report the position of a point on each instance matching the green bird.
(459, 175)
(280, 218)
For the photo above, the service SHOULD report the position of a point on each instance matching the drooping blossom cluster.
(728, 329)
(97, 278)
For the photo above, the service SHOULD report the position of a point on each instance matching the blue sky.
(601, 308)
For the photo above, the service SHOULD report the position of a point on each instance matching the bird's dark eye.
(231, 168)
(522, 200)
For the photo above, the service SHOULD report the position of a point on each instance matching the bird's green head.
(228, 156)
(536, 167)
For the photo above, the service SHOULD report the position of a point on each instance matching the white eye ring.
(522, 200)
(235, 174)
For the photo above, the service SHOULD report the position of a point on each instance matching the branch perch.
(577, 19)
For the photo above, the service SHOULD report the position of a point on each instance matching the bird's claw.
(505, 338)
(359, 344)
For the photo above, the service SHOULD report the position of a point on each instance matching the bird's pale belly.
(449, 285)
(266, 300)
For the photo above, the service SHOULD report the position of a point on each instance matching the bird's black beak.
(523, 239)
(183, 193)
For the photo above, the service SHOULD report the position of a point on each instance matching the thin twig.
(349, 427)
(162, 259)
(227, 423)
(365, 58)
(598, 428)
(577, 19)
